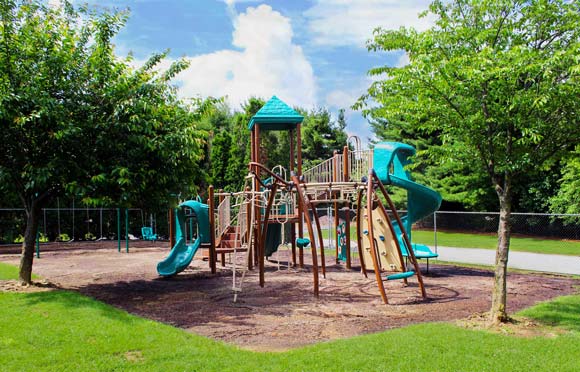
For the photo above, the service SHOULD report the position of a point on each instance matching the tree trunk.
(498, 313)
(27, 257)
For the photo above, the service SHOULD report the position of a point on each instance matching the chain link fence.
(80, 224)
(533, 232)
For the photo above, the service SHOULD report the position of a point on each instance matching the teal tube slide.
(182, 253)
(390, 159)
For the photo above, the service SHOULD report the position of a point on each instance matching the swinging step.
(403, 275)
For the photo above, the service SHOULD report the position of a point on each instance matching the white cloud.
(403, 60)
(341, 99)
(351, 22)
(268, 63)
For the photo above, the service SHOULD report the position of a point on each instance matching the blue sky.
(309, 53)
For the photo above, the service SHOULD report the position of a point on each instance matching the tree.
(321, 136)
(497, 81)
(567, 200)
(77, 120)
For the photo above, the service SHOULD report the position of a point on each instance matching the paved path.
(553, 263)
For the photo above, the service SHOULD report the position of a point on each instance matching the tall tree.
(76, 119)
(567, 200)
(321, 136)
(497, 81)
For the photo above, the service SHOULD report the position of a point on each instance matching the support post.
(220, 200)
(359, 217)
(347, 233)
(301, 210)
(212, 247)
(126, 230)
(119, 230)
(37, 243)
(171, 217)
(248, 229)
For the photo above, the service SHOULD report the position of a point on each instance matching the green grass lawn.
(488, 241)
(8, 272)
(65, 331)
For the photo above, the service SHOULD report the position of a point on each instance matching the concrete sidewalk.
(552, 263)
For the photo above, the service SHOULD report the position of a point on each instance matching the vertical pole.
(345, 167)
(336, 223)
(435, 229)
(248, 229)
(347, 232)
(171, 221)
(119, 230)
(37, 243)
(212, 247)
(220, 200)
(190, 230)
(301, 210)
(258, 212)
(359, 217)
(292, 225)
(126, 230)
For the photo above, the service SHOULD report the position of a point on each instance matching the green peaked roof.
(276, 115)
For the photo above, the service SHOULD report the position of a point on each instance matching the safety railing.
(359, 163)
(323, 172)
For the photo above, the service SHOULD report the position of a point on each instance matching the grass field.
(10, 272)
(55, 331)
(489, 241)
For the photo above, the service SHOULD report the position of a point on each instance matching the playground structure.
(275, 207)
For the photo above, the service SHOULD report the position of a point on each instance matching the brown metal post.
(220, 200)
(293, 237)
(301, 212)
(335, 206)
(262, 245)
(303, 201)
(345, 167)
(320, 240)
(212, 247)
(291, 150)
(359, 217)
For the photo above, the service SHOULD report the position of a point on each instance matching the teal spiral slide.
(390, 159)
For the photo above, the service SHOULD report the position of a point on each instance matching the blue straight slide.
(181, 254)
(390, 159)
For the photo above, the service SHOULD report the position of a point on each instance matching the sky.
(309, 53)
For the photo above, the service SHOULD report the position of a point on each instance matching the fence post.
(126, 230)
(435, 229)
(37, 243)
(119, 230)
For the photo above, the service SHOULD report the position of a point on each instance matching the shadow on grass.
(561, 312)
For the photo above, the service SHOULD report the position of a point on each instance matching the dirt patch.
(284, 314)
(519, 327)
(16, 286)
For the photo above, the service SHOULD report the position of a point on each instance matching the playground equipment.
(182, 253)
(251, 224)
